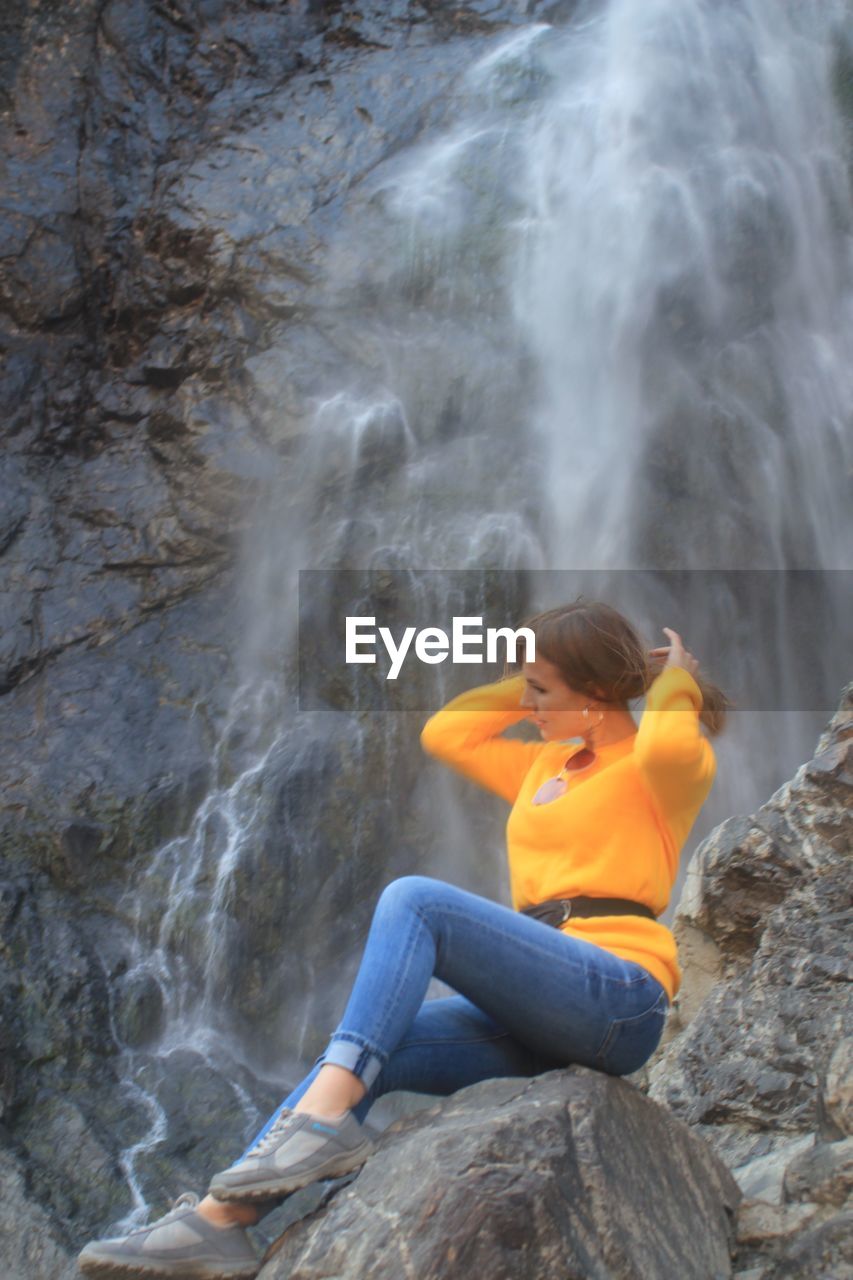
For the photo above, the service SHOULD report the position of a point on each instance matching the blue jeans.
(531, 999)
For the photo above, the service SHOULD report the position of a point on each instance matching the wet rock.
(211, 1104)
(138, 1010)
(52, 987)
(91, 746)
(137, 282)
(47, 258)
(60, 1092)
(29, 1242)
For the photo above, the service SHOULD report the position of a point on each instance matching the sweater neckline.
(621, 743)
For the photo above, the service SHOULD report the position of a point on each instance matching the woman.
(594, 833)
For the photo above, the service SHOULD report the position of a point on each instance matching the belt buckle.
(566, 905)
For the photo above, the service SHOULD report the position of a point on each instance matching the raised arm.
(465, 734)
(677, 762)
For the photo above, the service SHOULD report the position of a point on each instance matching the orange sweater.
(618, 830)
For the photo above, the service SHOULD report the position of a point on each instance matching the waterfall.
(591, 326)
(684, 284)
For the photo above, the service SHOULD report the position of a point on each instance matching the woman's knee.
(409, 892)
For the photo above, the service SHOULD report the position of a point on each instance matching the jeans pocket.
(630, 1042)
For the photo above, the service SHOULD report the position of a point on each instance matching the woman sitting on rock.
(578, 970)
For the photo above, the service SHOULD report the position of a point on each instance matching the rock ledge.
(570, 1173)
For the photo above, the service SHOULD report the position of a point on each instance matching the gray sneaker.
(297, 1150)
(182, 1246)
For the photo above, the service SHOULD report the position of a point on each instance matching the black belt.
(556, 911)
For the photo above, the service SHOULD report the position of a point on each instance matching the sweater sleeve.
(677, 762)
(465, 734)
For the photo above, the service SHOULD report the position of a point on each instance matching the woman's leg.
(450, 1044)
(558, 996)
(536, 998)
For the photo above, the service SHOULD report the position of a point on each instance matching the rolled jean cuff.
(353, 1052)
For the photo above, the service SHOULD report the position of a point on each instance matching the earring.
(589, 734)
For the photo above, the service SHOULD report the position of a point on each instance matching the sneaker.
(181, 1245)
(297, 1150)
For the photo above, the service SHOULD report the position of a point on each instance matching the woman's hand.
(677, 655)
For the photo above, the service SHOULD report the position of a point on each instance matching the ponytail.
(715, 703)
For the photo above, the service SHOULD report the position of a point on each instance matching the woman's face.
(554, 708)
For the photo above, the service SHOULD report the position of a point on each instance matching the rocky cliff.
(763, 1070)
(151, 317)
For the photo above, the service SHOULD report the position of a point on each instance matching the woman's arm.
(465, 734)
(677, 762)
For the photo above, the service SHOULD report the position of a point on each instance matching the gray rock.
(570, 1173)
(763, 1068)
(140, 296)
(137, 282)
(763, 1178)
(763, 1224)
(823, 1251)
(822, 1173)
(138, 1009)
(30, 1245)
(837, 1092)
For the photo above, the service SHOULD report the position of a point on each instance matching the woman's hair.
(598, 652)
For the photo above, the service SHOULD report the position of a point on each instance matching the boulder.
(572, 1173)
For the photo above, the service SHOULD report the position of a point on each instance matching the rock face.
(764, 1070)
(150, 316)
(570, 1174)
(162, 334)
(30, 1245)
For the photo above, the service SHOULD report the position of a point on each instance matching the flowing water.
(594, 325)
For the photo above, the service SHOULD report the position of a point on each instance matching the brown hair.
(598, 652)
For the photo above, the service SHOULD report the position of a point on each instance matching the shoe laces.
(186, 1200)
(270, 1139)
